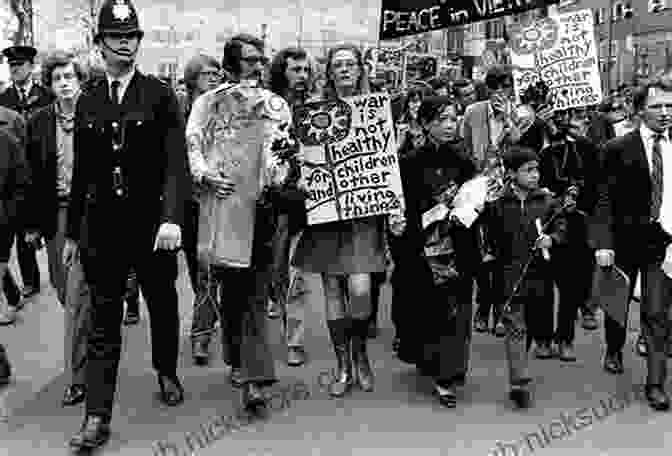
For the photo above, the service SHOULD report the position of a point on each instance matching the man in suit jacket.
(25, 97)
(633, 229)
(130, 184)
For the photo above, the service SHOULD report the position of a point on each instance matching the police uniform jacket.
(37, 98)
(11, 122)
(148, 127)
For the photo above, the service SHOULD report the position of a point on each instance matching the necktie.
(115, 92)
(656, 176)
(23, 95)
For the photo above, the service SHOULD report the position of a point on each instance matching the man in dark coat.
(130, 184)
(25, 97)
(633, 229)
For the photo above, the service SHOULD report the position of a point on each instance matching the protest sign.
(401, 18)
(561, 51)
(233, 145)
(351, 168)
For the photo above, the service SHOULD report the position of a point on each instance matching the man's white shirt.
(124, 82)
(666, 152)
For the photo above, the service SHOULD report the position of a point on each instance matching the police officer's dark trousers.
(107, 266)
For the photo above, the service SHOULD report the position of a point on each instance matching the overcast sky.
(354, 19)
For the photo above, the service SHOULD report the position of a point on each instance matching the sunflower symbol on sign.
(323, 123)
(539, 35)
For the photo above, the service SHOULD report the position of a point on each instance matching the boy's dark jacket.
(510, 224)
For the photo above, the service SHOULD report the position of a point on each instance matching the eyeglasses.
(255, 60)
(210, 74)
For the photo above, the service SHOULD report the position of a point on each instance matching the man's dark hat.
(19, 54)
(117, 16)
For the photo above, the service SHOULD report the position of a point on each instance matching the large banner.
(350, 165)
(561, 51)
(403, 18)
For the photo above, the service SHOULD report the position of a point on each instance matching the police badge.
(121, 11)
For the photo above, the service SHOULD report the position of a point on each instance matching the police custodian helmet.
(117, 16)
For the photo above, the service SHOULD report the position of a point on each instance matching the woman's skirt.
(342, 248)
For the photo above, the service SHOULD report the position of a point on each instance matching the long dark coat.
(435, 329)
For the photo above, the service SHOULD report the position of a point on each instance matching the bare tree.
(23, 10)
(83, 13)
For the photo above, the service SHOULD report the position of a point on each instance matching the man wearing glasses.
(25, 97)
(244, 284)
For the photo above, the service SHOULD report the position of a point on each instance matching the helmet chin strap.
(114, 51)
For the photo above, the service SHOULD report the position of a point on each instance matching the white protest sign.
(561, 51)
(351, 167)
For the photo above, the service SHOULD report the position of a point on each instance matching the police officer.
(129, 189)
(25, 97)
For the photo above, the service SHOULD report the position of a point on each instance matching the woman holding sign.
(346, 253)
(439, 254)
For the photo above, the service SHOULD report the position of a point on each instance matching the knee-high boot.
(360, 359)
(339, 330)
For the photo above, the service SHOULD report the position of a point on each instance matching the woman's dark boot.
(360, 359)
(339, 331)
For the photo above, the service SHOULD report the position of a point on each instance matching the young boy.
(511, 221)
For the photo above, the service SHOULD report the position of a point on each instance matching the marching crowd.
(113, 171)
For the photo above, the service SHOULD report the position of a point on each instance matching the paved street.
(602, 416)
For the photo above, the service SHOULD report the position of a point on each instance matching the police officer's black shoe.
(95, 432)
